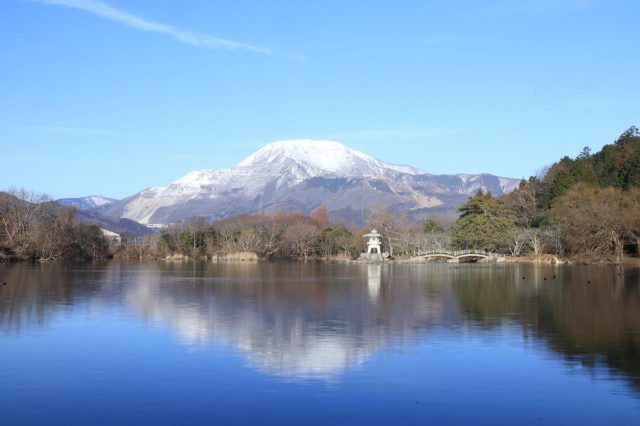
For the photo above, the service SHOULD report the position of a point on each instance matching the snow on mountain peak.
(273, 178)
(322, 155)
(292, 161)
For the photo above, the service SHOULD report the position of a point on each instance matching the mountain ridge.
(301, 175)
(86, 203)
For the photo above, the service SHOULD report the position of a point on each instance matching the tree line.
(288, 236)
(283, 235)
(32, 227)
(585, 207)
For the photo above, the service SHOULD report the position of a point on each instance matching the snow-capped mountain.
(322, 157)
(300, 175)
(86, 203)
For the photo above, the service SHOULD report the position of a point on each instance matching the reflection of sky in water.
(324, 344)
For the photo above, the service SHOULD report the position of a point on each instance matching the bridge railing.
(458, 253)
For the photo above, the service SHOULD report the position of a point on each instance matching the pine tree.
(484, 223)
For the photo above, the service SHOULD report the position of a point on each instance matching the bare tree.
(54, 234)
(534, 238)
(227, 235)
(389, 224)
(271, 234)
(523, 203)
(19, 211)
(517, 242)
(249, 239)
(553, 237)
(598, 221)
(302, 239)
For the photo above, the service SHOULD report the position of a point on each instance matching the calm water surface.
(315, 343)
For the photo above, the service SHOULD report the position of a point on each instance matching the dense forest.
(587, 207)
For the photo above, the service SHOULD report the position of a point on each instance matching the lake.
(319, 343)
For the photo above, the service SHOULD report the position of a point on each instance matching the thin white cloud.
(109, 12)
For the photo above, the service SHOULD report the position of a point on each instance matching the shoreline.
(253, 258)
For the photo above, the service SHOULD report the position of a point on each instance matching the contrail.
(109, 12)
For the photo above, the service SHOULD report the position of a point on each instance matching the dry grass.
(240, 256)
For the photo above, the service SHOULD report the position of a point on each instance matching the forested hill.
(591, 203)
(616, 165)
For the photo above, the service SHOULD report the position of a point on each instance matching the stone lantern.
(374, 242)
(374, 248)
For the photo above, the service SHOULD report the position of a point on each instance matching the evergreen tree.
(618, 164)
(567, 173)
(484, 223)
(432, 226)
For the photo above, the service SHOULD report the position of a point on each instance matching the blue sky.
(110, 97)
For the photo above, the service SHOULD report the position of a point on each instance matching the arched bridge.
(456, 256)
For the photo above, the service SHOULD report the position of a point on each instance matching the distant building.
(156, 225)
(112, 237)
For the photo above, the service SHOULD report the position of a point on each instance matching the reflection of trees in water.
(35, 291)
(587, 322)
(291, 319)
(317, 319)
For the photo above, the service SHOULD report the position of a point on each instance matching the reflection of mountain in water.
(290, 322)
(318, 320)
